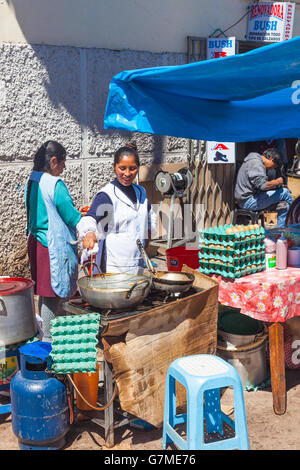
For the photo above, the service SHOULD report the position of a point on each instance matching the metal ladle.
(145, 257)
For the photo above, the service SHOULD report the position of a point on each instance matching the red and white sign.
(271, 21)
(217, 48)
(220, 152)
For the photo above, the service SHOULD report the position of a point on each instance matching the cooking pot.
(113, 291)
(17, 316)
(170, 282)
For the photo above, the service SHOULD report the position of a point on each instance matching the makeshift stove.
(113, 417)
(155, 299)
(141, 341)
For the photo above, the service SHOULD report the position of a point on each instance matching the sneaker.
(220, 156)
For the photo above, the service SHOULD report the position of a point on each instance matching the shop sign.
(217, 48)
(220, 152)
(270, 21)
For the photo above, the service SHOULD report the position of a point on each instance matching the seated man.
(254, 192)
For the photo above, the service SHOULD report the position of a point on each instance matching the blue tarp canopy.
(246, 97)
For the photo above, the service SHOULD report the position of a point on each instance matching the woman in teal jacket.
(51, 226)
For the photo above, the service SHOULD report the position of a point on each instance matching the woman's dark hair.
(41, 162)
(129, 148)
(49, 149)
(293, 215)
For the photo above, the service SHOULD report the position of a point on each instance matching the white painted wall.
(145, 25)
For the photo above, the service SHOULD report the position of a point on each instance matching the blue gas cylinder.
(39, 403)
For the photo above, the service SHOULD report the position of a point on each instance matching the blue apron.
(63, 256)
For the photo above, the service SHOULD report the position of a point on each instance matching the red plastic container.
(177, 257)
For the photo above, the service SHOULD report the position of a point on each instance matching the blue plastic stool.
(203, 375)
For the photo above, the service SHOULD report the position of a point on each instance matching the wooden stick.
(277, 366)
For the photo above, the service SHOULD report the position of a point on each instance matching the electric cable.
(70, 408)
(234, 24)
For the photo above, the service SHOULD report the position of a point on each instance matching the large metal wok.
(169, 282)
(113, 291)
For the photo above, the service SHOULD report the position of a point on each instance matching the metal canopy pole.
(213, 183)
(171, 241)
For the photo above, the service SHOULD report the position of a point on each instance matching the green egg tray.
(232, 272)
(74, 343)
(238, 263)
(232, 256)
(218, 236)
(240, 248)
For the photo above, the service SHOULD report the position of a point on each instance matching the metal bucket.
(17, 316)
(249, 361)
(231, 341)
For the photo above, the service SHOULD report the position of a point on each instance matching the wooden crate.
(270, 219)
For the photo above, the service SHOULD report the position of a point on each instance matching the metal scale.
(172, 186)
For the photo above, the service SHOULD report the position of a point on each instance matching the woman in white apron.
(119, 215)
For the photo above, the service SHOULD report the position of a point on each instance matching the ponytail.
(49, 149)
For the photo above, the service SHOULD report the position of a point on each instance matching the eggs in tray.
(232, 250)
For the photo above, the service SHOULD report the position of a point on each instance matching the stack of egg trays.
(231, 255)
(74, 343)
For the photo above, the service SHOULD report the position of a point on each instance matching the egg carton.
(239, 263)
(74, 340)
(231, 272)
(233, 236)
(231, 256)
(236, 243)
(238, 247)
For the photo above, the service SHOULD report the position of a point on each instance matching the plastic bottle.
(270, 253)
(281, 253)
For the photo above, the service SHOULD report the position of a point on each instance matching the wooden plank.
(294, 186)
(109, 412)
(277, 366)
(148, 173)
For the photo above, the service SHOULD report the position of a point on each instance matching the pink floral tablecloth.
(271, 296)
